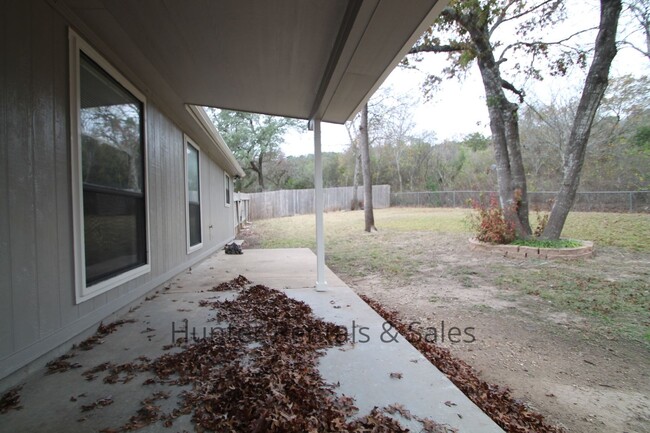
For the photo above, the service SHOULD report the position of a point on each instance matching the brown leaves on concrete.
(60, 364)
(510, 414)
(235, 284)
(100, 402)
(10, 400)
(376, 422)
(118, 373)
(148, 413)
(90, 374)
(102, 331)
(259, 374)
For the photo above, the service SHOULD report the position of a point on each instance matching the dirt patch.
(562, 364)
(581, 369)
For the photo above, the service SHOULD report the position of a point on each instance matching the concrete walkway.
(53, 403)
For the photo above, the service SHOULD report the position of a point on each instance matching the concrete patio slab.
(53, 403)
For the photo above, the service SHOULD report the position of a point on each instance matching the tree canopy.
(255, 140)
(470, 28)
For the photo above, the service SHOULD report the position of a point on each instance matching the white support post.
(321, 284)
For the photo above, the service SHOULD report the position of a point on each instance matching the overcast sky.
(458, 108)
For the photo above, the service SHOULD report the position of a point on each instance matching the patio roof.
(297, 58)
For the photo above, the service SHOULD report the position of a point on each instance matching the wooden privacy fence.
(287, 202)
(241, 209)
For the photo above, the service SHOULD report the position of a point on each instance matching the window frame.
(83, 292)
(227, 192)
(187, 141)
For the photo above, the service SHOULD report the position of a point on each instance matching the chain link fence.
(591, 201)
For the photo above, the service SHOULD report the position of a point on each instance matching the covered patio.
(319, 61)
(380, 372)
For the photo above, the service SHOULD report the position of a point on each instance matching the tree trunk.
(260, 175)
(364, 146)
(398, 154)
(504, 125)
(355, 179)
(592, 93)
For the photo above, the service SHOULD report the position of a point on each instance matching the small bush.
(489, 223)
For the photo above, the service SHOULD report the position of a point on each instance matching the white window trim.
(82, 292)
(227, 184)
(187, 141)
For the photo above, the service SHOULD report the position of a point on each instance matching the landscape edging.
(520, 251)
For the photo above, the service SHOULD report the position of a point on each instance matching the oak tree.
(470, 27)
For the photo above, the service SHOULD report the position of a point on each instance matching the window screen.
(112, 166)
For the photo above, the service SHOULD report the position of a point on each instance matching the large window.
(109, 174)
(193, 191)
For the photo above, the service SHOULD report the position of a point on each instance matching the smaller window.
(193, 194)
(227, 184)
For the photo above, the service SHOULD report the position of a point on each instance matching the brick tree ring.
(521, 252)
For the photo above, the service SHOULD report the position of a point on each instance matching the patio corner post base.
(321, 284)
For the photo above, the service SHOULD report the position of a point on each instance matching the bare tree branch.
(537, 44)
(519, 15)
(503, 17)
(508, 86)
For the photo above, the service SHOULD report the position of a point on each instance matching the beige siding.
(37, 295)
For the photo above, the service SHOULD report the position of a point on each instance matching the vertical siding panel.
(100, 300)
(206, 212)
(69, 311)
(157, 177)
(174, 160)
(166, 210)
(178, 196)
(44, 171)
(6, 303)
(21, 174)
(175, 196)
(163, 252)
(210, 203)
(153, 164)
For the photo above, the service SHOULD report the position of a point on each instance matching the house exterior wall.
(38, 309)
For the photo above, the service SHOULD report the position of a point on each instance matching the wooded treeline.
(618, 153)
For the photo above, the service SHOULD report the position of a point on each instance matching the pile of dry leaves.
(257, 373)
(509, 413)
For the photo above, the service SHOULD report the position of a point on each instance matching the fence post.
(631, 206)
(417, 196)
(453, 199)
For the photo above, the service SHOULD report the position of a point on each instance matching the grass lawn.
(609, 288)
(630, 231)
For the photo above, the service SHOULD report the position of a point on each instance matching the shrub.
(542, 219)
(489, 223)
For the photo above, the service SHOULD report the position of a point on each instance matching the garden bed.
(520, 251)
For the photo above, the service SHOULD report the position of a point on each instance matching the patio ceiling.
(297, 58)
